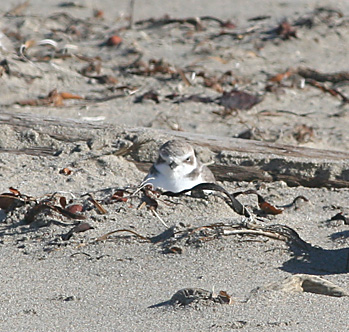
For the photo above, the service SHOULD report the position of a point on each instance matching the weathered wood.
(235, 159)
(40, 151)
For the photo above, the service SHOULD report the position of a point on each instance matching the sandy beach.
(87, 97)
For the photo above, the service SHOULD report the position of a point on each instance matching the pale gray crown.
(175, 148)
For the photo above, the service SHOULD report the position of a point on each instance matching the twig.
(183, 77)
(131, 15)
(99, 207)
(195, 21)
(157, 215)
(323, 77)
(142, 185)
(105, 236)
(331, 91)
(255, 232)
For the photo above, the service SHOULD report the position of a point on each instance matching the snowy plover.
(177, 168)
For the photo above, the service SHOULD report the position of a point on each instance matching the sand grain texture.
(55, 279)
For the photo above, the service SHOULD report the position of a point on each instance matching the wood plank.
(235, 159)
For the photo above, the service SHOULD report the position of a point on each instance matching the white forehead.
(176, 148)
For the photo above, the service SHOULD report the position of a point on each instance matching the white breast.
(172, 180)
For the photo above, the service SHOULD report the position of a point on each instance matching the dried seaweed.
(237, 100)
(83, 227)
(332, 91)
(54, 98)
(4, 67)
(341, 216)
(46, 206)
(233, 202)
(18, 10)
(155, 23)
(187, 296)
(315, 75)
(315, 79)
(106, 236)
(149, 95)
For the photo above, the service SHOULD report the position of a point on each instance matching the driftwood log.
(234, 159)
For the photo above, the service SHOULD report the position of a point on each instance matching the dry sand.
(80, 284)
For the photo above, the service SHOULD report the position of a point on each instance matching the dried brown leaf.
(9, 201)
(285, 30)
(175, 250)
(118, 196)
(63, 202)
(269, 209)
(238, 100)
(83, 227)
(14, 191)
(65, 212)
(73, 208)
(264, 206)
(224, 298)
(6, 201)
(68, 95)
(280, 77)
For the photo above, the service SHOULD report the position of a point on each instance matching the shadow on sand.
(319, 261)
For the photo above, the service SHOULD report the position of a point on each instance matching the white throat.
(175, 179)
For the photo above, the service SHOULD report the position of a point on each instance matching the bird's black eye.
(188, 159)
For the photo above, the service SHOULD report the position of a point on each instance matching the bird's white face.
(176, 166)
(176, 169)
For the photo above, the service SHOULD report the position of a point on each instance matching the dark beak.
(173, 165)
